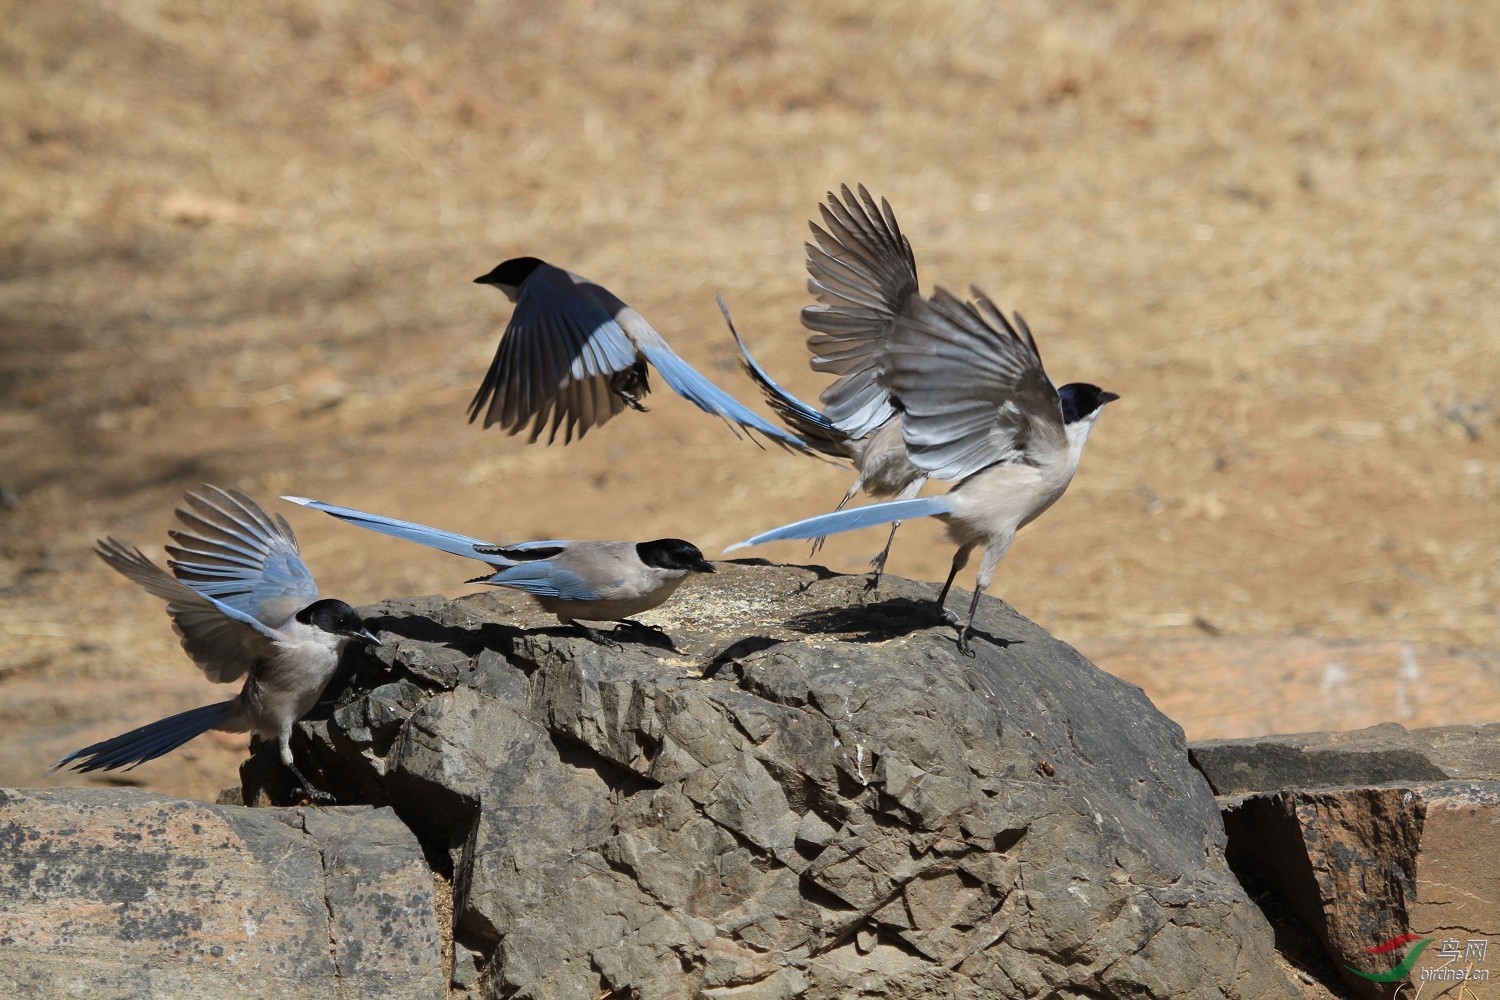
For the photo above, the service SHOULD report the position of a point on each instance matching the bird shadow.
(469, 640)
(873, 622)
(630, 630)
(474, 639)
(879, 621)
(820, 573)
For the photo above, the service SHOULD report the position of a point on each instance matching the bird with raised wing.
(864, 276)
(978, 408)
(577, 581)
(574, 355)
(244, 605)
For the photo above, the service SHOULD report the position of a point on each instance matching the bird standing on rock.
(864, 276)
(977, 407)
(576, 581)
(244, 603)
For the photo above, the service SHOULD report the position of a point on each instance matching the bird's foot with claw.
(311, 794)
(600, 638)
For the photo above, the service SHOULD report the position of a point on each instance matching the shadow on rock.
(469, 640)
(879, 621)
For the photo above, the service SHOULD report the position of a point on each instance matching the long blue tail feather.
(686, 381)
(433, 538)
(852, 519)
(149, 741)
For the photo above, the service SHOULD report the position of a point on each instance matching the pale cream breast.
(995, 503)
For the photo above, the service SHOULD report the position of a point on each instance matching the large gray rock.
(1369, 835)
(811, 795)
(118, 893)
(1378, 755)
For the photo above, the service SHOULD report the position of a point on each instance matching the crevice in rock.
(1073, 740)
(822, 898)
(618, 778)
(1298, 944)
(333, 942)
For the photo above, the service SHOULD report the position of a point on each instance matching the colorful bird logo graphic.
(1401, 971)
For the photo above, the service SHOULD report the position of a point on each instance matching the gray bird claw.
(313, 795)
(598, 637)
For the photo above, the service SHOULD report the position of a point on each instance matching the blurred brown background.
(238, 242)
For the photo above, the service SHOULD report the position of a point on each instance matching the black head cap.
(337, 618)
(510, 273)
(1079, 400)
(673, 553)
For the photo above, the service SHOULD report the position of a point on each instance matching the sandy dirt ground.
(238, 243)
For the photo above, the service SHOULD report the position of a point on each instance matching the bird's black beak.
(1108, 397)
(367, 636)
(704, 566)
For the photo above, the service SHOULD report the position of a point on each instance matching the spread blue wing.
(223, 640)
(556, 358)
(232, 550)
(545, 579)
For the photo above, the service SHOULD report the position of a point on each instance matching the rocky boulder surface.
(1372, 835)
(109, 893)
(798, 789)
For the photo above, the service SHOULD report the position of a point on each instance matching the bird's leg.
(910, 490)
(315, 794)
(963, 633)
(853, 492)
(960, 560)
(878, 563)
(598, 637)
(993, 553)
(284, 743)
